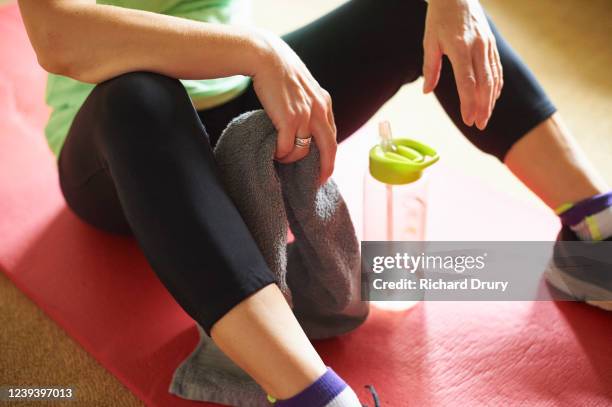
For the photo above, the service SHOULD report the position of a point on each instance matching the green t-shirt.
(65, 95)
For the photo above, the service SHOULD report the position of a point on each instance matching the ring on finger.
(302, 142)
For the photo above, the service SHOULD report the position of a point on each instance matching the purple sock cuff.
(317, 394)
(586, 207)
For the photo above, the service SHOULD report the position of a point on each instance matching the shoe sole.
(579, 289)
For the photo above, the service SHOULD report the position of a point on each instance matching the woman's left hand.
(460, 30)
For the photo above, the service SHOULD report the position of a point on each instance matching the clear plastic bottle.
(394, 212)
(395, 194)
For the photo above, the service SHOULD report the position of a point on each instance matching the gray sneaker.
(582, 271)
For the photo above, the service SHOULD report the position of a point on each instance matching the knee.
(139, 100)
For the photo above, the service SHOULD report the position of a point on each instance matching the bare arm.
(93, 42)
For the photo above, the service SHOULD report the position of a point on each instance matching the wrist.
(259, 51)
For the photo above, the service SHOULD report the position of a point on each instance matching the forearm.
(92, 42)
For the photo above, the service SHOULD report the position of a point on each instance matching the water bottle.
(395, 194)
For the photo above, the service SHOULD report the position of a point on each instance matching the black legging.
(138, 159)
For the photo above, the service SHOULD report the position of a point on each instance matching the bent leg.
(365, 50)
(140, 132)
(137, 160)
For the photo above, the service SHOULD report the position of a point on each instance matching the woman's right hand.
(297, 105)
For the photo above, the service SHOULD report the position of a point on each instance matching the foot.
(583, 274)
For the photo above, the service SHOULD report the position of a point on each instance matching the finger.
(332, 122)
(497, 73)
(432, 65)
(330, 113)
(302, 131)
(323, 103)
(284, 141)
(320, 95)
(297, 153)
(484, 78)
(500, 70)
(325, 139)
(322, 99)
(296, 119)
(322, 108)
(465, 80)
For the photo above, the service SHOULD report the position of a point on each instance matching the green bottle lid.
(403, 165)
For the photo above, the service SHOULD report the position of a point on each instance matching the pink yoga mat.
(100, 289)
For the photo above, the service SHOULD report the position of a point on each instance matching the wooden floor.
(565, 42)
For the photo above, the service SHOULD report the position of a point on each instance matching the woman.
(132, 158)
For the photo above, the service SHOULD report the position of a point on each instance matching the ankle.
(297, 382)
(329, 390)
(591, 218)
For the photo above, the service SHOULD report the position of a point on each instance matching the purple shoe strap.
(586, 207)
(319, 393)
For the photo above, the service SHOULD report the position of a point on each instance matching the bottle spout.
(386, 137)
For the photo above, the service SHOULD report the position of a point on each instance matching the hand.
(295, 103)
(460, 30)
